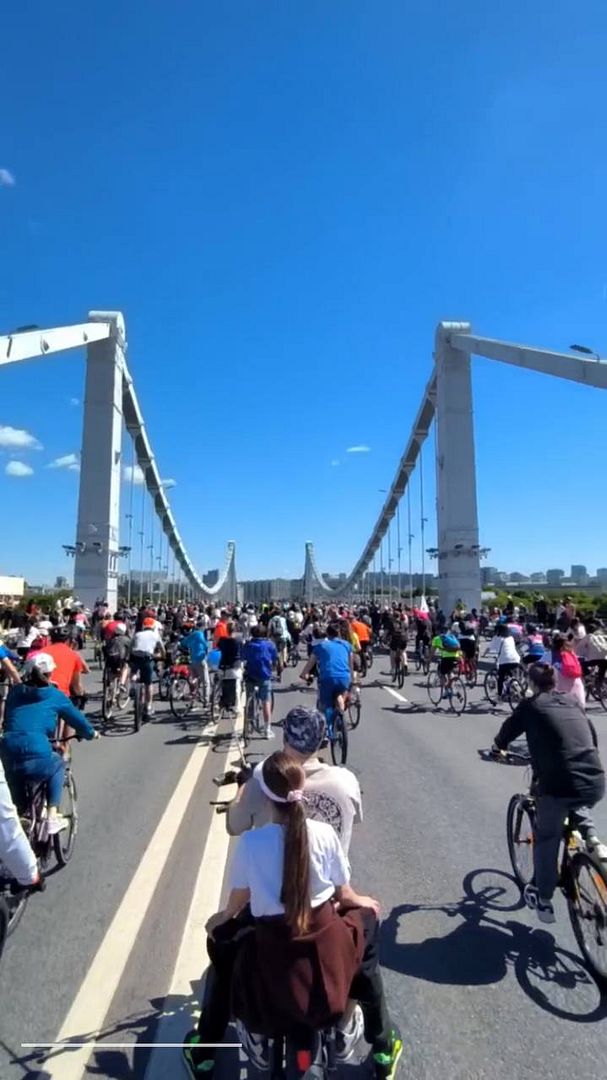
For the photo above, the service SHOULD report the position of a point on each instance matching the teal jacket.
(30, 720)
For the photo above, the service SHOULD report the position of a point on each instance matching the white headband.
(295, 795)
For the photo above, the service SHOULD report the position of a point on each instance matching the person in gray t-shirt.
(332, 793)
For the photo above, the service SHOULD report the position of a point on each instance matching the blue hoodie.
(197, 645)
(31, 720)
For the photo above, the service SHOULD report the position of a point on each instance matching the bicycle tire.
(515, 693)
(369, 658)
(519, 809)
(123, 696)
(339, 742)
(137, 692)
(434, 686)
(401, 677)
(106, 708)
(580, 922)
(64, 841)
(15, 906)
(600, 693)
(490, 687)
(215, 697)
(181, 700)
(354, 711)
(458, 699)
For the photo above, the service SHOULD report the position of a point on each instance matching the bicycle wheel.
(587, 904)
(354, 711)
(123, 695)
(339, 742)
(369, 658)
(181, 699)
(434, 686)
(520, 833)
(215, 698)
(16, 906)
(515, 693)
(64, 841)
(294, 656)
(164, 685)
(600, 693)
(400, 676)
(458, 698)
(490, 687)
(107, 696)
(137, 692)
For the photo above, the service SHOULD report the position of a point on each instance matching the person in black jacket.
(568, 777)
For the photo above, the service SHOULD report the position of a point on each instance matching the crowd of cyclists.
(290, 879)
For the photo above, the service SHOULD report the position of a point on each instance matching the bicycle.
(137, 694)
(399, 669)
(353, 707)
(582, 877)
(98, 653)
(114, 693)
(422, 659)
(185, 691)
(468, 669)
(293, 655)
(337, 734)
(449, 688)
(253, 723)
(366, 657)
(13, 901)
(513, 691)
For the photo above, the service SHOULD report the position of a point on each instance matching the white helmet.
(41, 662)
(120, 628)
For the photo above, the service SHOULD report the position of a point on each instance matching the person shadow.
(483, 947)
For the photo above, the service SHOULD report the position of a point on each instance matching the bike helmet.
(149, 624)
(59, 634)
(120, 628)
(41, 662)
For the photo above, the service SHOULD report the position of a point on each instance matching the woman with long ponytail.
(284, 956)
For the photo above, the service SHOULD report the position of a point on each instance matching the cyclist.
(333, 659)
(230, 666)
(197, 644)
(363, 632)
(568, 777)
(332, 792)
(507, 658)
(533, 645)
(468, 644)
(33, 711)
(146, 644)
(117, 653)
(592, 651)
(445, 648)
(284, 876)
(278, 632)
(397, 644)
(69, 665)
(260, 656)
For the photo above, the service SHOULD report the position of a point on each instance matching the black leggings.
(367, 987)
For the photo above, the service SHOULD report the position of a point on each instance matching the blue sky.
(284, 199)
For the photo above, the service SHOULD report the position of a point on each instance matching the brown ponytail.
(283, 775)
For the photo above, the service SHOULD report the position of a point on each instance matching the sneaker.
(195, 1061)
(386, 1058)
(149, 714)
(597, 848)
(544, 908)
(56, 824)
(269, 733)
(346, 1038)
(256, 1047)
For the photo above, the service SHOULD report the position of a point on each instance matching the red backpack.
(570, 665)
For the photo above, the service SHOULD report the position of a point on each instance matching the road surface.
(115, 945)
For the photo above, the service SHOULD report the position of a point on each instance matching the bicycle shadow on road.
(482, 948)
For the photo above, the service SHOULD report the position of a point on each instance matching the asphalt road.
(115, 945)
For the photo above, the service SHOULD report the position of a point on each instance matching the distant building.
(539, 577)
(580, 575)
(554, 577)
(518, 579)
(489, 574)
(210, 578)
(601, 575)
(61, 582)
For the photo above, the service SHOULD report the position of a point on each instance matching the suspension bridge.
(112, 410)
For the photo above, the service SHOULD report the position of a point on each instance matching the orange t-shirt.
(221, 631)
(361, 629)
(68, 662)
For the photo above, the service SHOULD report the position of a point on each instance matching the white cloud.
(168, 483)
(6, 178)
(68, 461)
(18, 468)
(358, 450)
(17, 439)
(74, 401)
(335, 462)
(134, 473)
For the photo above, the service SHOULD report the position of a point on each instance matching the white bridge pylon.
(110, 399)
(447, 399)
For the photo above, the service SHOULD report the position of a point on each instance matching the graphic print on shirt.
(323, 807)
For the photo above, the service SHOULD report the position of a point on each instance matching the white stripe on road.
(395, 693)
(99, 985)
(181, 1007)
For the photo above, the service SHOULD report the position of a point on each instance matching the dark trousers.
(367, 987)
(502, 671)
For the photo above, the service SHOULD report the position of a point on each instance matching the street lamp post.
(424, 521)
(410, 536)
(399, 550)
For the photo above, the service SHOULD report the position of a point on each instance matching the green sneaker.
(196, 1064)
(386, 1060)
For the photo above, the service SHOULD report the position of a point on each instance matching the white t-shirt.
(505, 650)
(146, 641)
(257, 865)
